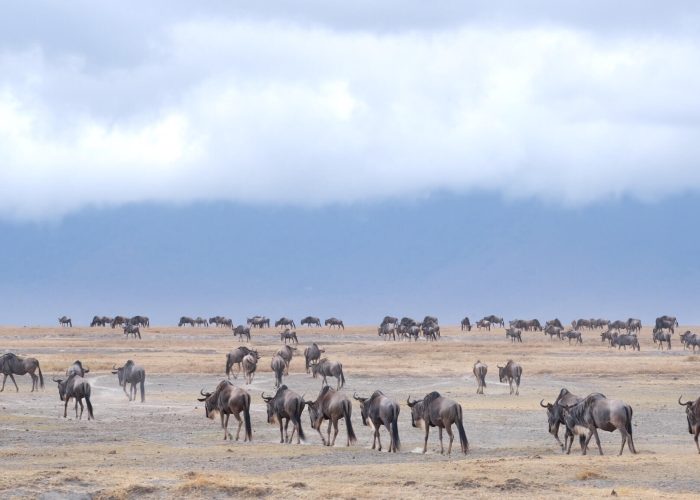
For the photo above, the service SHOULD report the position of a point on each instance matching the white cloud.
(273, 112)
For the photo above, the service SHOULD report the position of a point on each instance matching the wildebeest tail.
(395, 430)
(143, 389)
(462, 435)
(342, 377)
(628, 424)
(348, 423)
(88, 391)
(246, 419)
(229, 366)
(41, 376)
(300, 410)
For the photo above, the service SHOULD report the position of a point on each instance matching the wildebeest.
(406, 321)
(119, 321)
(65, 321)
(581, 323)
(617, 325)
(512, 373)
(258, 322)
(76, 387)
(514, 335)
(131, 374)
(624, 341)
(634, 325)
(378, 410)
(413, 331)
(692, 412)
(436, 411)
(132, 330)
(199, 321)
(235, 357)
(242, 331)
(217, 320)
(495, 320)
(387, 330)
(312, 354)
(311, 321)
(466, 325)
(572, 335)
(286, 353)
(483, 323)
(430, 320)
(77, 368)
(480, 370)
(690, 339)
(229, 400)
(142, 321)
(184, 320)
(552, 330)
(278, 366)
(555, 416)
(286, 405)
(285, 322)
(431, 331)
(599, 323)
(327, 368)
(249, 364)
(289, 335)
(331, 405)
(666, 323)
(554, 322)
(11, 365)
(595, 412)
(100, 321)
(390, 320)
(662, 337)
(331, 322)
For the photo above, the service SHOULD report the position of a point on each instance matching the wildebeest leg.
(697, 433)
(594, 431)
(335, 432)
(240, 424)
(452, 437)
(65, 408)
(282, 440)
(517, 387)
(323, 439)
(79, 400)
(377, 437)
(224, 425)
(286, 432)
(34, 380)
(442, 448)
(328, 443)
(624, 435)
(17, 388)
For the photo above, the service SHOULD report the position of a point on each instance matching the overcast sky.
(125, 110)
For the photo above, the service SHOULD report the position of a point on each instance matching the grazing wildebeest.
(555, 417)
(65, 321)
(413, 331)
(77, 368)
(617, 325)
(249, 364)
(11, 365)
(327, 368)
(512, 373)
(242, 331)
(258, 322)
(289, 335)
(406, 321)
(199, 321)
(184, 320)
(606, 335)
(692, 412)
(142, 321)
(390, 320)
(624, 341)
(595, 412)
(572, 334)
(666, 323)
(99, 321)
(662, 337)
(378, 410)
(634, 325)
(599, 323)
(430, 320)
(226, 322)
(690, 339)
(480, 370)
(331, 405)
(431, 331)
(514, 335)
(235, 357)
(331, 322)
(229, 400)
(216, 320)
(483, 323)
(286, 353)
(285, 323)
(311, 321)
(131, 374)
(552, 330)
(312, 354)
(436, 411)
(119, 321)
(76, 387)
(466, 325)
(132, 330)
(278, 366)
(495, 320)
(554, 322)
(286, 405)
(581, 323)
(387, 330)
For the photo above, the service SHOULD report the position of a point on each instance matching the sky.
(528, 159)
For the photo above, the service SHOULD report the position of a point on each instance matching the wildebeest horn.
(499, 366)
(114, 367)
(543, 405)
(354, 395)
(408, 401)
(201, 391)
(265, 398)
(684, 404)
(57, 380)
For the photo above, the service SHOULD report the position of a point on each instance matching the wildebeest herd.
(581, 416)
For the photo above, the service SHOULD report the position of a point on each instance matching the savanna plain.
(166, 448)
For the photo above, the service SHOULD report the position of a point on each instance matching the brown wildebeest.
(131, 374)
(511, 372)
(185, 320)
(555, 417)
(331, 405)
(598, 412)
(11, 365)
(435, 411)
(329, 368)
(65, 321)
(514, 335)
(278, 365)
(378, 410)
(286, 353)
(466, 325)
(289, 335)
(235, 357)
(76, 387)
(692, 411)
(249, 364)
(286, 405)
(312, 354)
(229, 400)
(480, 370)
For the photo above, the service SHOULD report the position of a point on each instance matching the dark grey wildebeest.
(286, 353)
(185, 320)
(141, 321)
(692, 412)
(199, 321)
(331, 322)
(99, 321)
(229, 400)
(378, 410)
(572, 335)
(278, 365)
(387, 330)
(465, 324)
(436, 411)
(554, 322)
(483, 324)
(595, 412)
(235, 357)
(514, 335)
(77, 368)
(311, 355)
(132, 374)
(511, 372)
(581, 323)
(78, 388)
(65, 321)
(286, 405)
(331, 405)
(285, 323)
(327, 368)
(555, 417)
(495, 320)
(634, 325)
(624, 341)
(249, 364)
(406, 321)
(311, 321)
(288, 335)
(242, 331)
(661, 337)
(132, 330)
(390, 320)
(666, 323)
(11, 365)
(480, 369)
(119, 321)
(258, 322)
(553, 330)
(690, 339)
(617, 325)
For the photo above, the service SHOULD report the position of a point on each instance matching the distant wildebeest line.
(11, 365)
(228, 400)
(100, 321)
(65, 321)
(436, 411)
(134, 375)
(378, 410)
(186, 320)
(258, 322)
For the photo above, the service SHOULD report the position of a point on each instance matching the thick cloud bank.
(258, 110)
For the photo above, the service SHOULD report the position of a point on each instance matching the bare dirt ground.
(166, 447)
